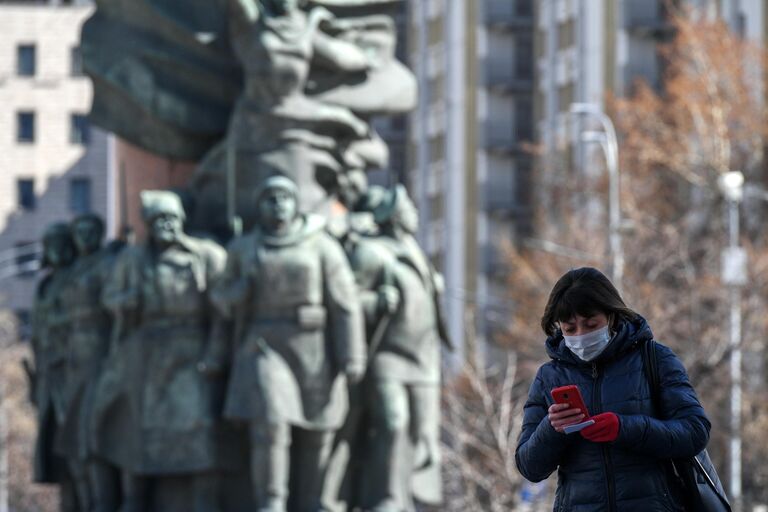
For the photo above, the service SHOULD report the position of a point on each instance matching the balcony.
(647, 20)
(509, 14)
(502, 202)
(509, 79)
(503, 143)
(508, 138)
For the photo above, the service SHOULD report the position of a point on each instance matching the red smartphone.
(572, 396)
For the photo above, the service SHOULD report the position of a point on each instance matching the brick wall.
(139, 170)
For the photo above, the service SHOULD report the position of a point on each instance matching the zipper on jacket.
(596, 409)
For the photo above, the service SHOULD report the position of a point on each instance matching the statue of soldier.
(88, 335)
(49, 348)
(400, 297)
(298, 333)
(165, 360)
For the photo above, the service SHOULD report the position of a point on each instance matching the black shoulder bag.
(694, 478)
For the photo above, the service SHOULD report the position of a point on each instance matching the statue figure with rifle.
(400, 294)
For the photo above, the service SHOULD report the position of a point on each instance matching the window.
(26, 259)
(524, 7)
(76, 61)
(524, 57)
(26, 194)
(566, 34)
(80, 195)
(398, 123)
(524, 119)
(25, 126)
(25, 60)
(80, 132)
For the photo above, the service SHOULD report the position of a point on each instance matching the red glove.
(605, 429)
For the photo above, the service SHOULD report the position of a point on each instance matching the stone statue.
(274, 99)
(49, 337)
(276, 128)
(88, 334)
(400, 296)
(162, 387)
(166, 78)
(299, 339)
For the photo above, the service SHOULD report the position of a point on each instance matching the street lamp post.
(734, 275)
(610, 145)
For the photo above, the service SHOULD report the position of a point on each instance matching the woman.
(617, 464)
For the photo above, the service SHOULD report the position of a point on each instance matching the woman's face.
(579, 325)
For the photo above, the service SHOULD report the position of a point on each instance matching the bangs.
(575, 301)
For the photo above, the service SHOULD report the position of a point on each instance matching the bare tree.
(482, 413)
(710, 118)
(17, 439)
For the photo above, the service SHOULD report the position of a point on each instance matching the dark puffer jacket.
(627, 474)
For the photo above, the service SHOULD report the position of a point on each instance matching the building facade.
(495, 75)
(54, 164)
(467, 157)
(587, 50)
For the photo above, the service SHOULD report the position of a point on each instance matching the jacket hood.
(629, 334)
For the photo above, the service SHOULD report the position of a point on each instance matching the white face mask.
(588, 346)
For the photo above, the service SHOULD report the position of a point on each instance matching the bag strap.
(651, 370)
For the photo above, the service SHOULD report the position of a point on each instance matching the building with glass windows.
(586, 51)
(468, 166)
(53, 164)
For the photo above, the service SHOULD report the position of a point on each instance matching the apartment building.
(53, 164)
(468, 165)
(586, 50)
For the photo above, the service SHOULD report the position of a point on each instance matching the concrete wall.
(52, 160)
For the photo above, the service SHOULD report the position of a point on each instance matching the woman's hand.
(562, 415)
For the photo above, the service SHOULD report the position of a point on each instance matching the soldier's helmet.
(89, 217)
(58, 230)
(387, 203)
(161, 202)
(278, 181)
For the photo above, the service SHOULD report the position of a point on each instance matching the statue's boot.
(312, 451)
(206, 493)
(273, 504)
(105, 486)
(77, 468)
(135, 493)
(383, 475)
(388, 505)
(68, 497)
(270, 466)
(391, 458)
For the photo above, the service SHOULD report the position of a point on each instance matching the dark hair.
(584, 291)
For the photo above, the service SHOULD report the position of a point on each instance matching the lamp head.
(732, 185)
